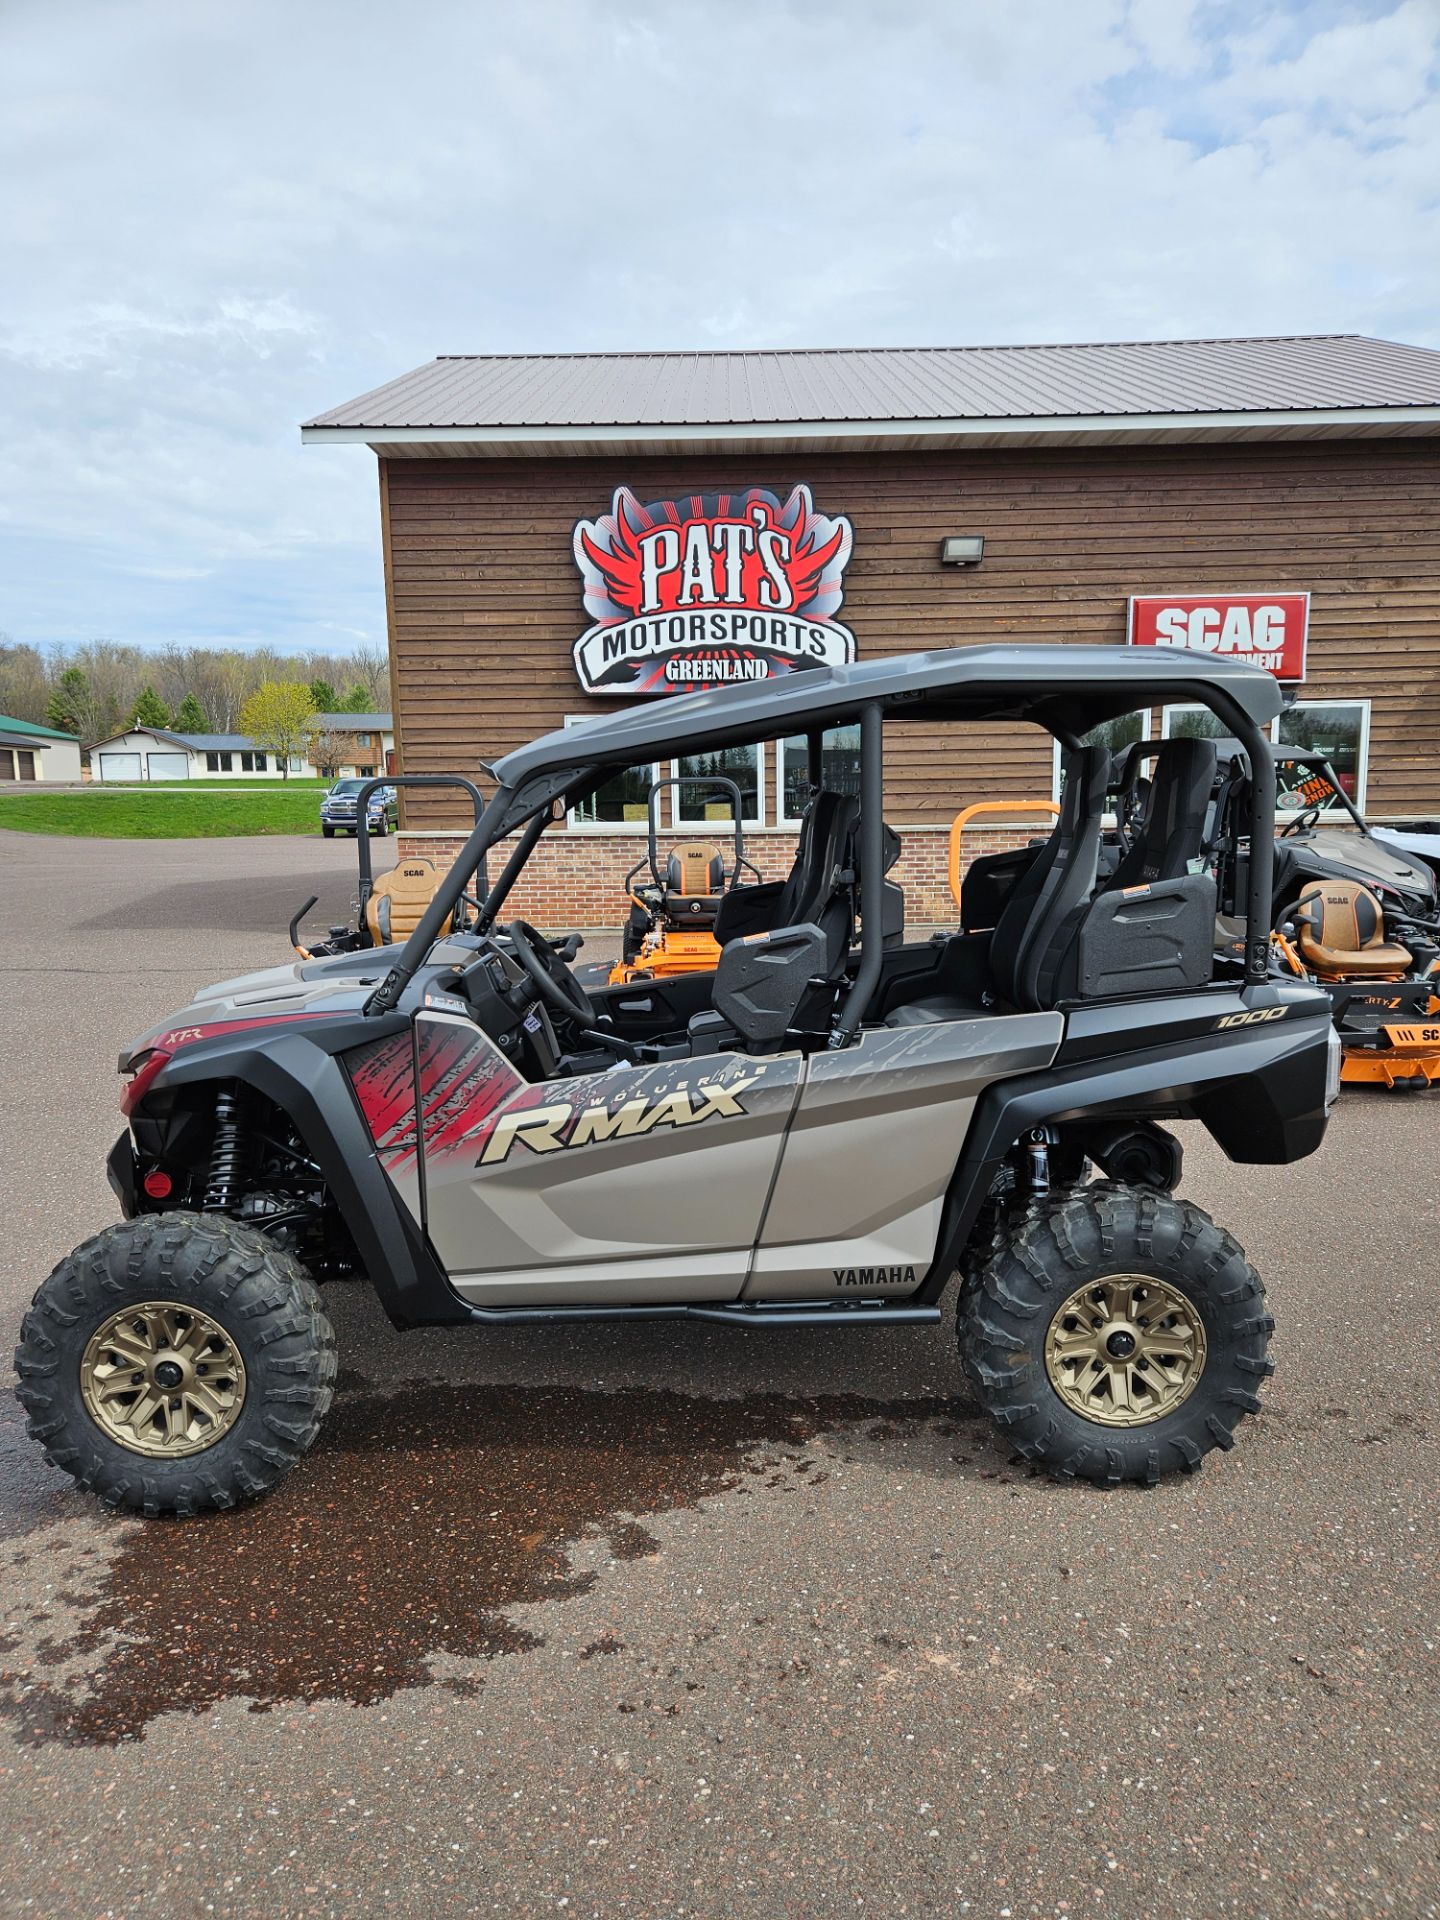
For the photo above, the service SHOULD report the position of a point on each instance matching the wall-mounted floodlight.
(962, 550)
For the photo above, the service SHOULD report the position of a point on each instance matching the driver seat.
(817, 874)
(399, 899)
(1342, 934)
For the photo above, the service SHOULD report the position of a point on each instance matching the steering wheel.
(554, 982)
(1302, 822)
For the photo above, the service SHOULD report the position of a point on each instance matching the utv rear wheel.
(175, 1363)
(1116, 1334)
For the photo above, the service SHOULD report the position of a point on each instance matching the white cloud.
(219, 220)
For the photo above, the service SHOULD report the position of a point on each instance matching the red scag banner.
(1266, 630)
(708, 589)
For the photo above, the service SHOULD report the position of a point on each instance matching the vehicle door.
(631, 1184)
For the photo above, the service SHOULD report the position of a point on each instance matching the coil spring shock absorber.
(228, 1157)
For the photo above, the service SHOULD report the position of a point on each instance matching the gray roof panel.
(1298, 373)
(1066, 688)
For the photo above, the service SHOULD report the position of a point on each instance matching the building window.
(1340, 729)
(691, 807)
(362, 740)
(839, 770)
(217, 763)
(251, 763)
(366, 773)
(297, 765)
(1118, 735)
(621, 801)
(1192, 723)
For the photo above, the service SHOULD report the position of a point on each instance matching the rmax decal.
(1251, 1019)
(874, 1276)
(548, 1128)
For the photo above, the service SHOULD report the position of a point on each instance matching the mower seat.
(399, 899)
(1342, 933)
(694, 883)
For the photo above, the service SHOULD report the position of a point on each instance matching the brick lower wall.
(577, 879)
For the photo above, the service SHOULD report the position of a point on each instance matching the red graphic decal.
(462, 1080)
(382, 1073)
(712, 588)
(211, 1030)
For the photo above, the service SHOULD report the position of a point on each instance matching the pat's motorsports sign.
(710, 588)
(1266, 630)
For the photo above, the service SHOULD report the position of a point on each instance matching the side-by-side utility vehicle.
(819, 1133)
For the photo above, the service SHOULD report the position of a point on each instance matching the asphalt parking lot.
(672, 1622)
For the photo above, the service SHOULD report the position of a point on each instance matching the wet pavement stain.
(422, 1515)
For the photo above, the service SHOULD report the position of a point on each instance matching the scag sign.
(712, 588)
(1266, 630)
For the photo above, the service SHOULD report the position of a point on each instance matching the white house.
(36, 753)
(155, 753)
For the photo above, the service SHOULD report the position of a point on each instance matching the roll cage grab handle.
(872, 869)
(712, 783)
(362, 801)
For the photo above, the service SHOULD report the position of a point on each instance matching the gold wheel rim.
(1126, 1350)
(162, 1379)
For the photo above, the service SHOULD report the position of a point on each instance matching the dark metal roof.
(355, 722)
(1065, 688)
(581, 391)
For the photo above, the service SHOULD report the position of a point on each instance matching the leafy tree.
(24, 685)
(329, 751)
(73, 707)
(150, 710)
(325, 697)
(279, 716)
(357, 700)
(190, 716)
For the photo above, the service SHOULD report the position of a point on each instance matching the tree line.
(99, 688)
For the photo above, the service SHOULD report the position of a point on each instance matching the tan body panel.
(656, 1175)
(871, 1148)
(645, 1184)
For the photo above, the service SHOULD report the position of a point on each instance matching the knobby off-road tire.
(1154, 1276)
(200, 1296)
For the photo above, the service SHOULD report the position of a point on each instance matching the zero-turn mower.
(671, 924)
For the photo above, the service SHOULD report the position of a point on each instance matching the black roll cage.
(545, 796)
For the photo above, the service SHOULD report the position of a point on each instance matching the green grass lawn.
(315, 785)
(130, 813)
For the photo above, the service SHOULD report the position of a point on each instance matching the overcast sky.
(218, 219)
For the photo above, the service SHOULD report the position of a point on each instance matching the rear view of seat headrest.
(1172, 832)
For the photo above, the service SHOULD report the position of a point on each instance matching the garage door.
(119, 766)
(168, 766)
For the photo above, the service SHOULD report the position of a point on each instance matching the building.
(363, 743)
(29, 752)
(366, 740)
(563, 531)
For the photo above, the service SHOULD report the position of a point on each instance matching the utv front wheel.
(1116, 1334)
(176, 1362)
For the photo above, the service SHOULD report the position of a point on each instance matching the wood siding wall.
(485, 597)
